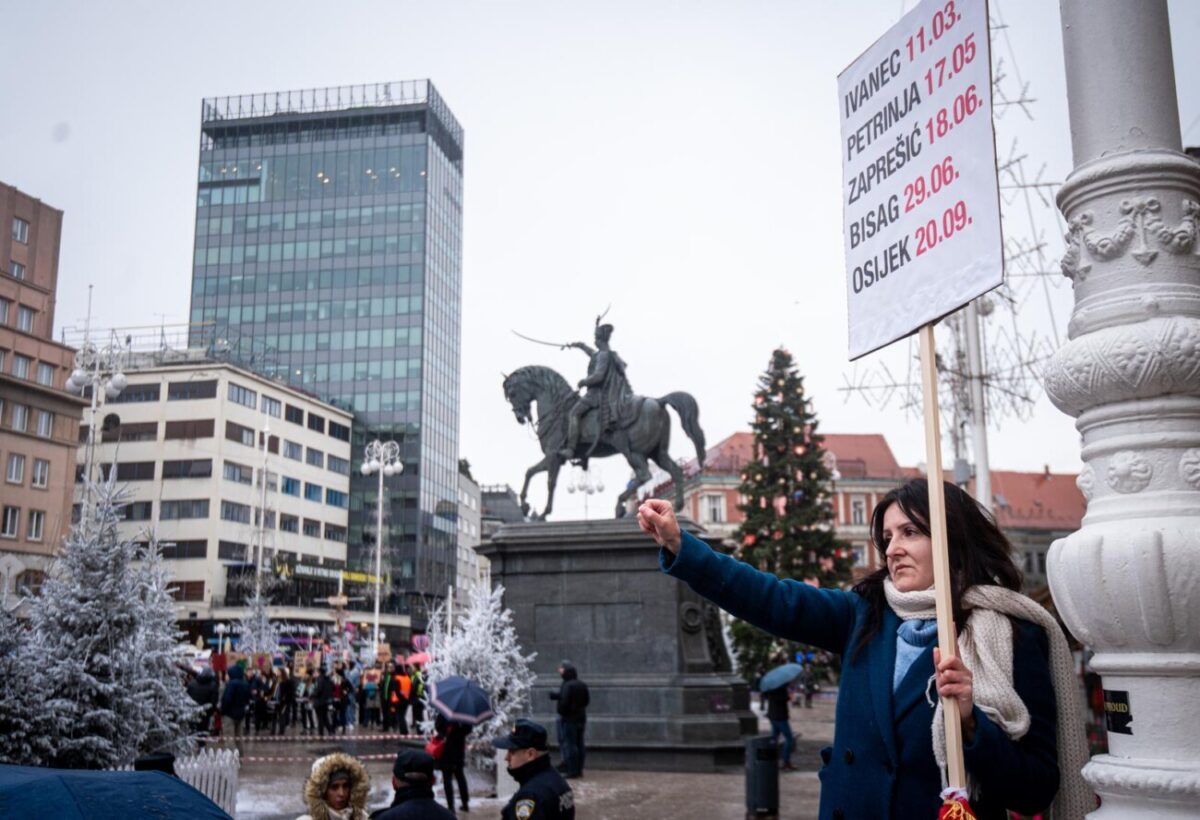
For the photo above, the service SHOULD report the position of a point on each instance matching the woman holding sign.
(1023, 747)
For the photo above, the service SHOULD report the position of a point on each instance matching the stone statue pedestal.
(664, 696)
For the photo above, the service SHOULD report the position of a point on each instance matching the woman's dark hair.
(979, 552)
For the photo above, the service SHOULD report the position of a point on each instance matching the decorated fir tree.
(788, 528)
(481, 645)
(100, 654)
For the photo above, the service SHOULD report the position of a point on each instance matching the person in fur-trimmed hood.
(337, 789)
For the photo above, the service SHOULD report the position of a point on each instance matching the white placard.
(919, 193)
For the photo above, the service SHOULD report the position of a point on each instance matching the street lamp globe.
(119, 381)
(366, 468)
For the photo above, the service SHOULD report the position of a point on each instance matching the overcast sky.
(677, 160)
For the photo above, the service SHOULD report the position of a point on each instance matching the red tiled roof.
(862, 455)
(1041, 501)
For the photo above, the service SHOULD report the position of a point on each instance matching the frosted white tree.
(481, 645)
(96, 660)
(22, 740)
(257, 634)
(157, 659)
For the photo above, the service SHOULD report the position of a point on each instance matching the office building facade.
(329, 252)
(39, 420)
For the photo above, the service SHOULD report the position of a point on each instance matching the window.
(31, 580)
(339, 431)
(270, 523)
(187, 590)
(185, 508)
(272, 481)
(133, 431)
(131, 470)
(335, 498)
(20, 230)
(312, 528)
(4, 304)
(15, 474)
(188, 468)
(335, 533)
(291, 486)
(272, 443)
(289, 523)
(243, 396)
(240, 434)
(137, 511)
(21, 365)
(37, 523)
(714, 509)
(858, 510)
(134, 393)
(16, 269)
(197, 548)
(190, 429)
(232, 551)
(1041, 563)
(41, 473)
(272, 407)
(11, 522)
(25, 318)
(45, 423)
(238, 472)
(232, 511)
(315, 457)
(293, 414)
(316, 422)
(312, 492)
(45, 374)
(293, 450)
(185, 391)
(20, 418)
(338, 465)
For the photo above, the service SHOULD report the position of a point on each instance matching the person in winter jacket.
(573, 699)
(337, 789)
(413, 779)
(543, 793)
(204, 690)
(322, 700)
(235, 699)
(453, 761)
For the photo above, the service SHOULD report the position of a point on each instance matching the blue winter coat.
(236, 696)
(881, 764)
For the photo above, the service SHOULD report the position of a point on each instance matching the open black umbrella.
(460, 700)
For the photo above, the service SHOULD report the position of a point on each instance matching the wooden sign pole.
(956, 769)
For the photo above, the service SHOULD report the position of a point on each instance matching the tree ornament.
(800, 449)
(777, 535)
(749, 540)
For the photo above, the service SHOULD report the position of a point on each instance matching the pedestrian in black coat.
(413, 778)
(573, 699)
(235, 698)
(453, 761)
(322, 699)
(204, 690)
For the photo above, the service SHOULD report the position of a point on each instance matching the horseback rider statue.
(607, 388)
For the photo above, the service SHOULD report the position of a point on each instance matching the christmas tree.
(788, 528)
(481, 645)
(22, 740)
(99, 654)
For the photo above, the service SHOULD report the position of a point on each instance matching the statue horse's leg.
(638, 462)
(663, 459)
(544, 464)
(551, 481)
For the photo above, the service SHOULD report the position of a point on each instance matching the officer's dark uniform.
(543, 795)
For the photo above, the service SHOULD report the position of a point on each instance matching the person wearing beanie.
(413, 778)
(573, 699)
(337, 789)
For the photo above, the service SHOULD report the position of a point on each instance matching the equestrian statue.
(607, 420)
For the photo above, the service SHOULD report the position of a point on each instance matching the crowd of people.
(327, 700)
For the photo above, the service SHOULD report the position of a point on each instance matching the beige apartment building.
(192, 441)
(39, 420)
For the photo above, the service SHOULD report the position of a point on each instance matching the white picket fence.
(214, 772)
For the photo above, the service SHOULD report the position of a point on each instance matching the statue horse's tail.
(689, 416)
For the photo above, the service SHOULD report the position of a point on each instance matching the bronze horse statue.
(646, 439)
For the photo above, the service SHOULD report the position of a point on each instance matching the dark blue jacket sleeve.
(785, 608)
(1024, 771)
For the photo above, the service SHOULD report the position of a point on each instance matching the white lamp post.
(101, 369)
(382, 457)
(220, 638)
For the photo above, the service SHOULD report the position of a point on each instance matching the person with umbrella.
(774, 687)
(1013, 678)
(461, 704)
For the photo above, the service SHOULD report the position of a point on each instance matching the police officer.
(543, 795)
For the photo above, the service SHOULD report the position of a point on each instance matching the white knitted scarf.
(986, 649)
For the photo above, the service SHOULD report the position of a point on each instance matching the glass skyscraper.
(329, 252)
